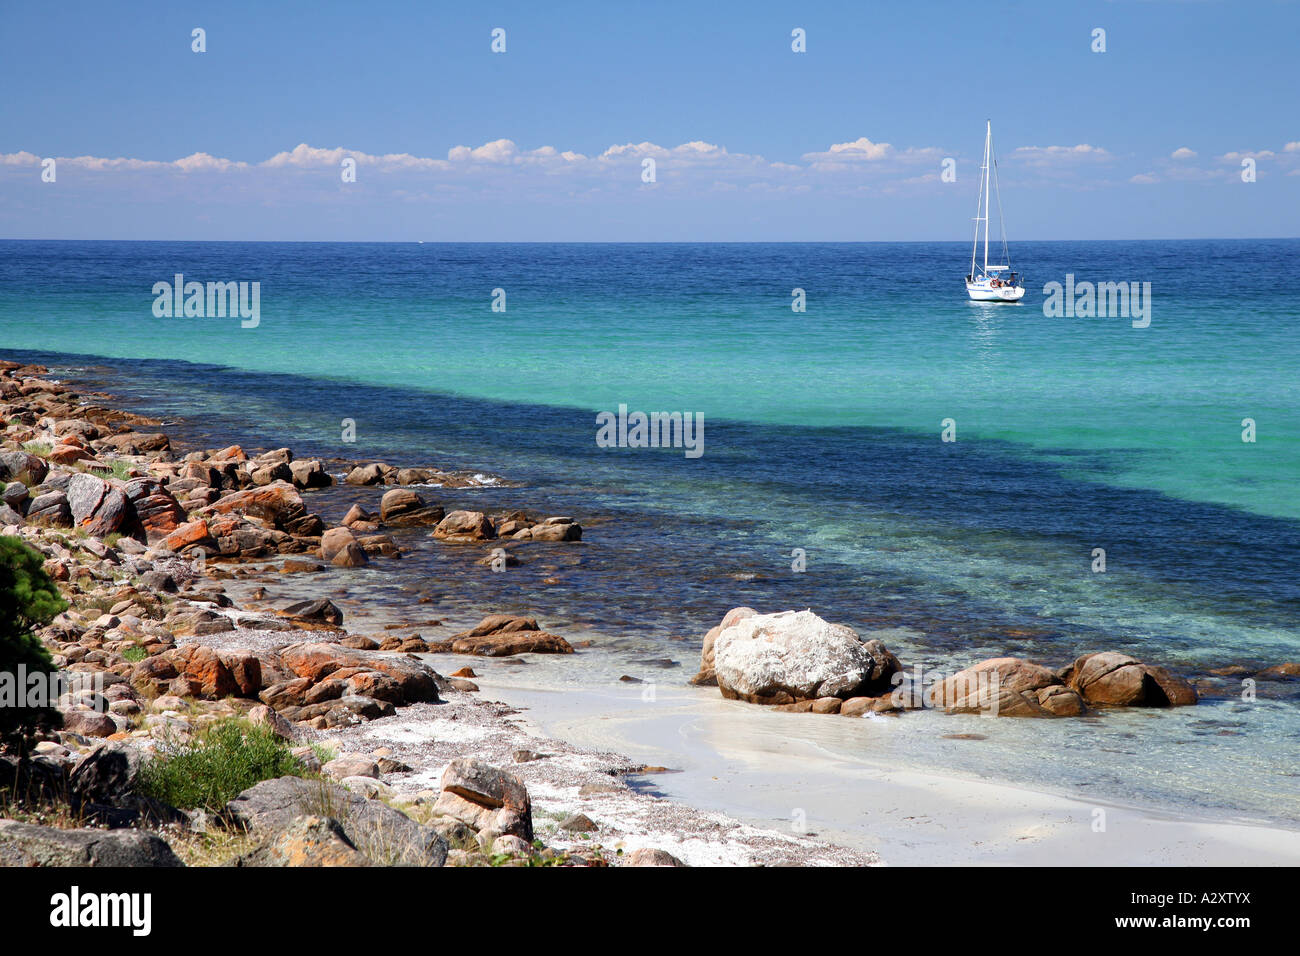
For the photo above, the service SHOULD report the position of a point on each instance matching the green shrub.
(217, 764)
(28, 599)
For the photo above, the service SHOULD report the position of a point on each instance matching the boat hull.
(986, 293)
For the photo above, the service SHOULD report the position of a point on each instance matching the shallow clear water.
(822, 433)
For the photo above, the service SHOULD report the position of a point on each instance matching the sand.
(754, 764)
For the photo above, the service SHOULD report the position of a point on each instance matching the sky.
(547, 141)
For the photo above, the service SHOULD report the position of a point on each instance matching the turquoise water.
(822, 433)
(886, 341)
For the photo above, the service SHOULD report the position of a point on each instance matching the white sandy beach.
(763, 767)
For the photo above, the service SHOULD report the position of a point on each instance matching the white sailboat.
(991, 283)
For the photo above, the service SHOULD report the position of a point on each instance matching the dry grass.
(212, 846)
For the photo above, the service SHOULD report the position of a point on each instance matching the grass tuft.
(217, 764)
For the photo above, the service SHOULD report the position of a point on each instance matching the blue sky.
(546, 141)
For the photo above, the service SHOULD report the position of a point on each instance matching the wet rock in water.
(403, 507)
(351, 555)
(1007, 687)
(1061, 702)
(465, 526)
(507, 527)
(485, 798)
(499, 558)
(500, 635)
(322, 611)
(1288, 670)
(268, 473)
(795, 655)
(861, 706)
(1113, 679)
(293, 566)
(372, 474)
(357, 513)
(648, 856)
(25, 844)
(552, 529)
(335, 540)
(379, 545)
(309, 474)
(706, 676)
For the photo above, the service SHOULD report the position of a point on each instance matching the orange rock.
(277, 503)
(189, 535)
(312, 661)
(246, 670)
(204, 667)
(68, 454)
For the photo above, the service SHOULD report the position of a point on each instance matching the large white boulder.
(795, 655)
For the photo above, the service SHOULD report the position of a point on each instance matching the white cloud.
(303, 156)
(205, 161)
(1182, 152)
(1144, 178)
(1059, 155)
(860, 148)
(1236, 157)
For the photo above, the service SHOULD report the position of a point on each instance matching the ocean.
(823, 436)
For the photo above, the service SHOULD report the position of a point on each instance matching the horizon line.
(651, 242)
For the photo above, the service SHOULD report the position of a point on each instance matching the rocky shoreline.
(404, 765)
(140, 536)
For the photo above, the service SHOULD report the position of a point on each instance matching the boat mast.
(981, 203)
(988, 143)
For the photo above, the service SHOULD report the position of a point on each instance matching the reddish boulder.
(1118, 680)
(189, 536)
(463, 526)
(501, 635)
